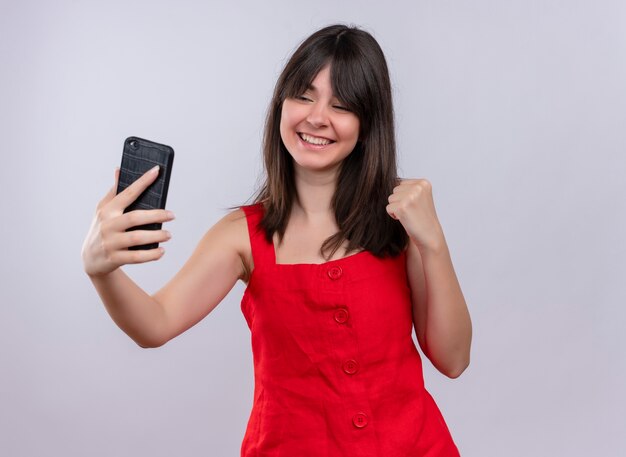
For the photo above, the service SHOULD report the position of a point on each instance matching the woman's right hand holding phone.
(106, 246)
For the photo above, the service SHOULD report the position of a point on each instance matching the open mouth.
(314, 140)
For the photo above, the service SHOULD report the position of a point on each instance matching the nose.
(318, 115)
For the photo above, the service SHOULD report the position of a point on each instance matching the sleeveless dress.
(336, 371)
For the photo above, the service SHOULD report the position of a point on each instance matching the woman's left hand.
(412, 204)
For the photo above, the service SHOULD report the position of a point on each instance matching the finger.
(391, 211)
(127, 257)
(117, 242)
(130, 194)
(406, 188)
(141, 217)
(393, 197)
(399, 193)
(112, 191)
(139, 238)
(401, 184)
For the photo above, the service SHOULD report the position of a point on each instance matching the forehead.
(321, 77)
(321, 81)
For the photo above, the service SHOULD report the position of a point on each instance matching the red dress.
(336, 371)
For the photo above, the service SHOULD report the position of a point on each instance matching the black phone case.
(139, 156)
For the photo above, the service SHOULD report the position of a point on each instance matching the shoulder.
(231, 232)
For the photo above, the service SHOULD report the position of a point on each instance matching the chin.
(316, 167)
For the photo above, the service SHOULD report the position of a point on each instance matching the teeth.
(314, 139)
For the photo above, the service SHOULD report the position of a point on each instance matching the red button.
(350, 366)
(359, 420)
(335, 272)
(341, 315)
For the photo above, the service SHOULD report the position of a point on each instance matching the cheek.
(284, 123)
(350, 129)
(290, 113)
(288, 120)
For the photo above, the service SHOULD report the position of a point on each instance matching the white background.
(514, 110)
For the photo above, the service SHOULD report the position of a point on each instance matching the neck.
(314, 193)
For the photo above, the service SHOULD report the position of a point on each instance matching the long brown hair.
(360, 79)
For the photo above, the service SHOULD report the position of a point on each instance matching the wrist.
(435, 247)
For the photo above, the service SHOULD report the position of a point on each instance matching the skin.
(320, 114)
(440, 315)
(223, 255)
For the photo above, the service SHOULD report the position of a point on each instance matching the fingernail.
(168, 234)
(170, 215)
(154, 169)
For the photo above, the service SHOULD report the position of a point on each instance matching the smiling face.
(316, 128)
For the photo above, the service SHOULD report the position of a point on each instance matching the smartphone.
(140, 155)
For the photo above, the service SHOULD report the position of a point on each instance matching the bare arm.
(195, 290)
(201, 284)
(133, 310)
(440, 315)
(207, 277)
(441, 318)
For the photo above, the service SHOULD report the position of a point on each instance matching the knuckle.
(100, 213)
(130, 194)
(105, 227)
(134, 218)
(105, 248)
(426, 184)
(110, 257)
(134, 238)
(135, 256)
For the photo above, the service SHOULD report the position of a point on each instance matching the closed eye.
(302, 98)
(341, 107)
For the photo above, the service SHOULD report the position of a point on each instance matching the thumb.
(391, 212)
(112, 191)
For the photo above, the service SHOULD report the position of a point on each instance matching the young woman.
(342, 259)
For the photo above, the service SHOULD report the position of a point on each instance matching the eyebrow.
(312, 88)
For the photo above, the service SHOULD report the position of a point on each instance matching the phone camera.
(133, 144)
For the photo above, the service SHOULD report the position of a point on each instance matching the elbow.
(451, 366)
(149, 343)
(454, 371)
(151, 338)
(145, 345)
